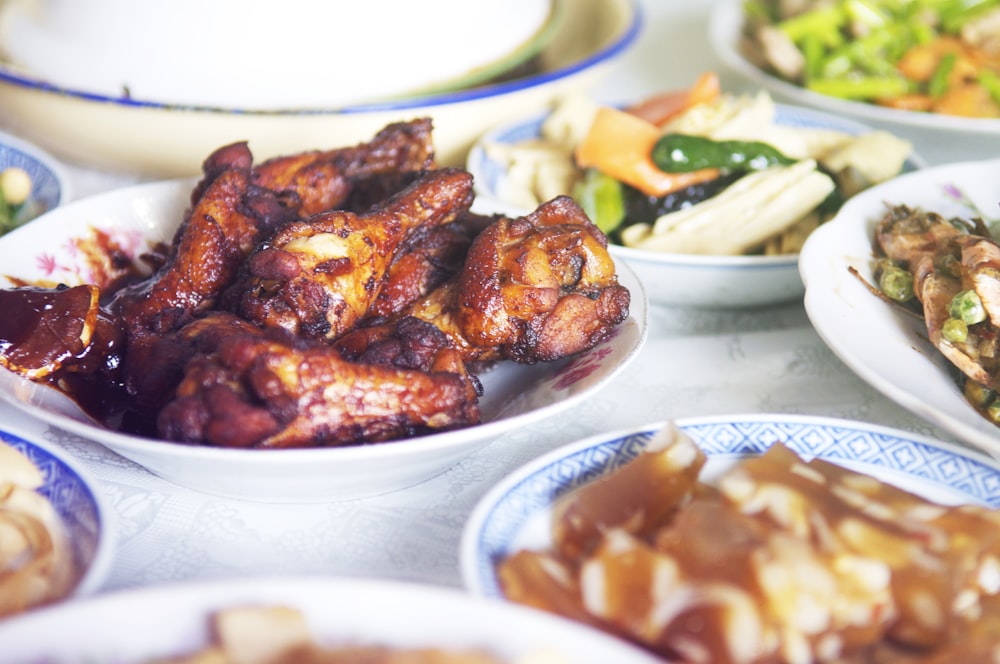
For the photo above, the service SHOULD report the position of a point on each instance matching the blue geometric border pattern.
(533, 490)
(45, 185)
(68, 493)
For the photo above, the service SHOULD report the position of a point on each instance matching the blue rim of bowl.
(528, 127)
(96, 521)
(49, 182)
(720, 436)
(9, 74)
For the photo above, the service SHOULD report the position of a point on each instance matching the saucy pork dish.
(325, 298)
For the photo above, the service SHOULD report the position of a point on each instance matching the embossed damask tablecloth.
(694, 363)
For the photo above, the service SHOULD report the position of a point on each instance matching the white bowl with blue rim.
(673, 279)
(49, 182)
(163, 138)
(82, 508)
(516, 513)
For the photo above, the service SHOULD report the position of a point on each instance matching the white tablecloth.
(694, 363)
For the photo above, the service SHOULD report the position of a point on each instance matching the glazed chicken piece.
(228, 217)
(324, 179)
(264, 389)
(317, 278)
(430, 257)
(537, 288)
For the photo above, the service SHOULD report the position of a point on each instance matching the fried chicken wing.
(324, 179)
(317, 278)
(262, 388)
(540, 287)
(228, 217)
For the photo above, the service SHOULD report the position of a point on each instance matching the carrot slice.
(660, 108)
(619, 144)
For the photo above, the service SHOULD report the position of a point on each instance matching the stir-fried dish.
(934, 56)
(324, 298)
(697, 171)
(777, 559)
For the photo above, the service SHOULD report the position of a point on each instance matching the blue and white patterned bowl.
(79, 503)
(515, 514)
(49, 183)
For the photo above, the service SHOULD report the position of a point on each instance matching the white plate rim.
(832, 294)
(637, 324)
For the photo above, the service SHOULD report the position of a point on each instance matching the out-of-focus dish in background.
(676, 279)
(514, 394)
(116, 627)
(31, 182)
(78, 556)
(169, 138)
(885, 346)
(935, 134)
(253, 55)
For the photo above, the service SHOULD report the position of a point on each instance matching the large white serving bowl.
(934, 134)
(687, 280)
(146, 624)
(48, 250)
(163, 139)
(516, 513)
(887, 348)
(254, 54)
(82, 508)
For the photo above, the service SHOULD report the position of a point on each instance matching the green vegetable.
(602, 198)
(955, 330)
(896, 283)
(967, 307)
(869, 87)
(683, 153)
(938, 84)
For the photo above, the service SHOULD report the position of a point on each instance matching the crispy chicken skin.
(317, 278)
(324, 179)
(537, 288)
(228, 217)
(540, 287)
(265, 389)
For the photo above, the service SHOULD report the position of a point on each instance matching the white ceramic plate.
(80, 504)
(515, 395)
(883, 346)
(516, 513)
(979, 138)
(162, 139)
(678, 279)
(135, 626)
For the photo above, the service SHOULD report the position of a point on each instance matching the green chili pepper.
(602, 198)
(682, 153)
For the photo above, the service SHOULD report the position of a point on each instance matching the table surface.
(695, 362)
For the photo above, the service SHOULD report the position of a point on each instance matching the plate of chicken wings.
(323, 325)
(921, 219)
